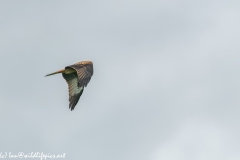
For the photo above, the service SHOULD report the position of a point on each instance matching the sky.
(165, 84)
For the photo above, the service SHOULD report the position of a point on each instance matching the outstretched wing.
(75, 91)
(84, 73)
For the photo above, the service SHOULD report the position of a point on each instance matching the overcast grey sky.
(165, 84)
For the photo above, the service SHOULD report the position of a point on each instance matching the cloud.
(195, 139)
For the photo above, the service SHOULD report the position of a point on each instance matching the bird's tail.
(60, 71)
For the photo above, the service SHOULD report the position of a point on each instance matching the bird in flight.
(77, 77)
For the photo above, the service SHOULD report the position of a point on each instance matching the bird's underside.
(77, 76)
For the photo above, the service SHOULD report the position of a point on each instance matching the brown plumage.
(77, 76)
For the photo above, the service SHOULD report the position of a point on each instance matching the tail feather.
(60, 71)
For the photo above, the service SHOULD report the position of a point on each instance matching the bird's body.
(77, 76)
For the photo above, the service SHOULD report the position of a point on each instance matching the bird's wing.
(84, 73)
(75, 91)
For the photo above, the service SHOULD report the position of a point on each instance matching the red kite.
(77, 76)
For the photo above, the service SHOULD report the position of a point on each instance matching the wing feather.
(75, 91)
(84, 73)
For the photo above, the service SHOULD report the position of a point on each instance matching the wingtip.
(71, 108)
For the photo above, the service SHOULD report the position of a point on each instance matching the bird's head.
(85, 62)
